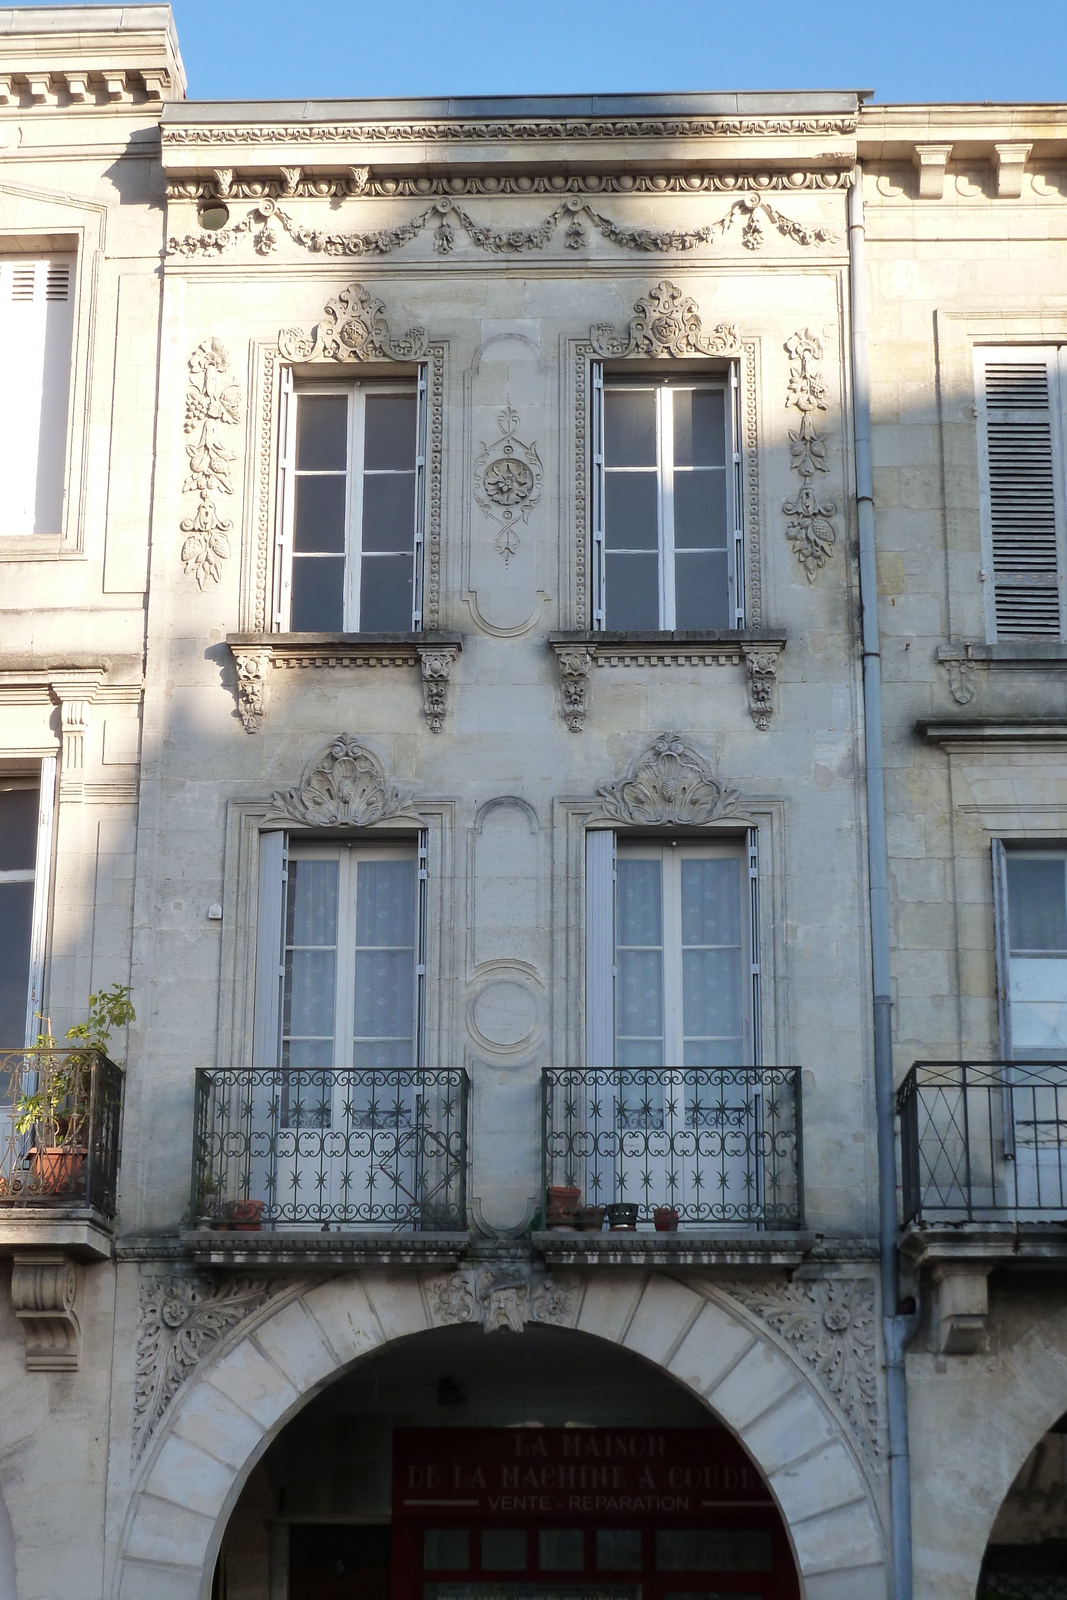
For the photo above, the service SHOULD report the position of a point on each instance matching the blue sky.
(903, 49)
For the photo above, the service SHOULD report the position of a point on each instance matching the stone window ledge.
(578, 652)
(78, 1232)
(256, 655)
(318, 1251)
(961, 660)
(785, 1249)
(949, 731)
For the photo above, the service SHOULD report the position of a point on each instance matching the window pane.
(631, 511)
(322, 433)
(311, 903)
(640, 991)
(1038, 994)
(618, 1549)
(700, 510)
(629, 427)
(18, 828)
(389, 511)
(711, 993)
(319, 514)
(631, 592)
(385, 601)
(503, 1549)
(16, 914)
(385, 903)
(318, 594)
(561, 1549)
(446, 1549)
(385, 982)
(702, 591)
(713, 1550)
(389, 440)
(699, 428)
(711, 901)
(384, 963)
(640, 906)
(1037, 903)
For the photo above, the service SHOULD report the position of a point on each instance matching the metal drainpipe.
(896, 1329)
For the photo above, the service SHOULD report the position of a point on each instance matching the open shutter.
(36, 324)
(596, 490)
(270, 928)
(283, 512)
(41, 877)
(600, 948)
(1021, 489)
(420, 951)
(1001, 942)
(421, 423)
(756, 1043)
(737, 497)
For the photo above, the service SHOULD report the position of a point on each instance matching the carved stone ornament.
(761, 668)
(211, 402)
(507, 481)
(810, 530)
(343, 786)
(670, 781)
(436, 664)
(502, 1299)
(253, 668)
(830, 1324)
(182, 1320)
(574, 663)
(959, 665)
(666, 323)
(354, 327)
(43, 1291)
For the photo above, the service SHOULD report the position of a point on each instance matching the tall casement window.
(36, 324)
(666, 504)
(1031, 904)
(1022, 402)
(351, 507)
(26, 806)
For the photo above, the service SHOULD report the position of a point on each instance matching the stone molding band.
(254, 656)
(577, 654)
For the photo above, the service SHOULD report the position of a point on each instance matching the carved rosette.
(503, 1298)
(670, 781)
(665, 323)
(575, 664)
(211, 403)
(436, 663)
(761, 668)
(507, 481)
(354, 327)
(810, 530)
(344, 785)
(253, 667)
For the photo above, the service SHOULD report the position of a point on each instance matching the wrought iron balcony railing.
(984, 1141)
(703, 1146)
(60, 1128)
(381, 1148)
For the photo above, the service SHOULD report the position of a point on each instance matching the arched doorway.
(452, 1466)
(1026, 1556)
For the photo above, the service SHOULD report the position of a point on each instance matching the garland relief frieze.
(810, 531)
(212, 402)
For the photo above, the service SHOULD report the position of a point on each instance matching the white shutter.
(36, 323)
(734, 437)
(1001, 943)
(596, 490)
(420, 950)
(421, 423)
(270, 930)
(754, 961)
(41, 877)
(600, 948)
(1021, 488)
(283, 511)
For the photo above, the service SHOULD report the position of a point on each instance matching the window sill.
(256, 654)
(578, 652)
(1011, 653)
(33, 547)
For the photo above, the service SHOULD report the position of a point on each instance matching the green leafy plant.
(58, 1110)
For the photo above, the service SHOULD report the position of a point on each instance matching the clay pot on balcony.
(57, 1168)
(665, 1219)
(562, 1208)
(591, 1219)
(622, 1218)
(248, 1216)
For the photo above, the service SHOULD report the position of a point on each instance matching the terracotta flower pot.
(665, 1219)
(248, 1216)
(57, 1168)
(562, 1208)
(591, 1219)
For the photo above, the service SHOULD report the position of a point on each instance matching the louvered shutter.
(36, 322)
(273, 867)
(1021, 486)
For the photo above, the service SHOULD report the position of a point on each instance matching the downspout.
(896, 1329)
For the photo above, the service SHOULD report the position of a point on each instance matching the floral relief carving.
(436, 665)
(211, 402)
(182, 1320)
(507, 481)
(253, 668)
(761, 668)
(529, 130)
(810, 531)
(665, 323)
(574, 663)
(354, 327)
(501, 1299)
(830, 1324)
(344, 785)
(669, 781)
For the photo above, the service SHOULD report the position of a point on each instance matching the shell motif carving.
(670, 781)
(343, 786)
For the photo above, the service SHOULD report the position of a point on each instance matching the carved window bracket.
(256, 656)
(577, 653)
(43, 1292)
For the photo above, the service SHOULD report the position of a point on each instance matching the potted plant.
(665, 1219)
(622, 1217)
(562, 1208)
(57, 1112)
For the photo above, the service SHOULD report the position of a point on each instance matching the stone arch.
(219, 1426)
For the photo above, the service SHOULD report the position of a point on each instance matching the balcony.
(329, 1165)
(60, 1132)
(708, 1161)
(984, 1160)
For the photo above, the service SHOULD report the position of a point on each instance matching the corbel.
(43, 1292)
(9, 95)
(77, 87)
(253, 668)
(156, 79)
(41, 91)
(1009, 163)
(931, 161)
(291, 179)
(224, 183)
(116, 87)
(358, 180)
(75, 692)
(436, 662)
(963, 1307)
(761, 669)
(575, 664)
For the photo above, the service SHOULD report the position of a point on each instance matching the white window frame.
(40, 876)
(664, 386)
(42, 350)
(1054, 358)
(1016, 850)
(291, 390)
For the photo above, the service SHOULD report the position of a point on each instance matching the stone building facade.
(434, 681)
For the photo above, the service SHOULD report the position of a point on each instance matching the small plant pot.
(622, 1218)
(591, 1219)
(248, 1216)
(665, 1219)
(562, 1208)
(57, 1168)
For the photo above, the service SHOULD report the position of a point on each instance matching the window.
(1033, 948)
(36, 324)
(351, 508)
(667, 541)
(1022, 395)
(25, 852)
